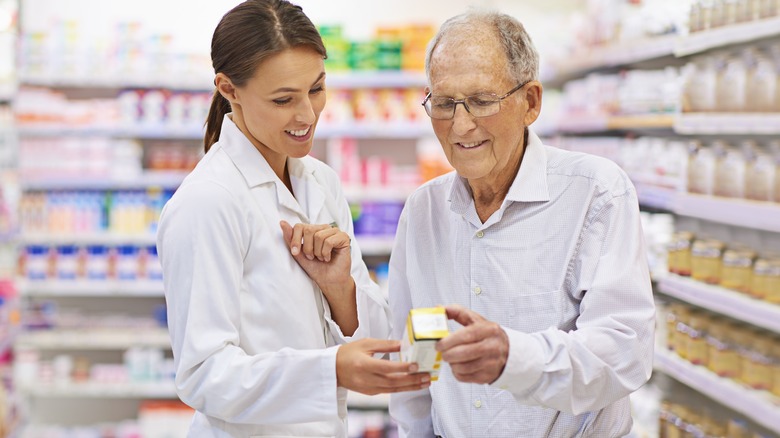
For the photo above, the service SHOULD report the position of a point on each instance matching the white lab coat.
(253, 341)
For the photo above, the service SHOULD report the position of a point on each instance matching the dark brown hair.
(248, 34)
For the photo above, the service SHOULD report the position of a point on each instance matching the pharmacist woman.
(271, 311)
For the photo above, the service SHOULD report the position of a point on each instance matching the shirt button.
(480, 234)
(478, 404)
(477, 290)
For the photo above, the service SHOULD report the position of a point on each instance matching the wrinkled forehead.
(469, 50)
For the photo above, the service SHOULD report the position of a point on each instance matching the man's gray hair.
(520, 51)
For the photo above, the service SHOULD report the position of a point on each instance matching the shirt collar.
(530, 184)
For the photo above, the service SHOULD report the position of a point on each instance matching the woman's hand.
(324, 253)
(358, 370)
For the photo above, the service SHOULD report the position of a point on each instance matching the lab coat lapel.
(308, 192)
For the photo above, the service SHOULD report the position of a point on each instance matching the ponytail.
(219, 107)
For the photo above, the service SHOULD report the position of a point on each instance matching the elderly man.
(538, 254)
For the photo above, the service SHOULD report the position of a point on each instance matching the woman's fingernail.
(310, 257)
(295, 250)
(413, 368)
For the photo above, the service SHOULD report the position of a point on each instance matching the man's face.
(486, 148)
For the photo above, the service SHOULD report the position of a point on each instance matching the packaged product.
(424, 327)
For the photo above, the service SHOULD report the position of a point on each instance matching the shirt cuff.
(523, 365)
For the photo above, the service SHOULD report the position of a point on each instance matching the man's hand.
(477, 353)
(358, 370)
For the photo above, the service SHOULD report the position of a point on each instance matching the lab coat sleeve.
(610, 353)
(202, 241)
(411, 410)
(372, 308)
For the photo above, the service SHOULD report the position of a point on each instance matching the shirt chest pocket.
(536, 312)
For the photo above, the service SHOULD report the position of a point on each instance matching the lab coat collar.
(256, 171)
(247, 159)
(530, 184)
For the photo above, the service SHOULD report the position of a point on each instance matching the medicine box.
(424, 326)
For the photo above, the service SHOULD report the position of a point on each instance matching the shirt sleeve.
(372, 308)
(202, 241)
(610, 353)
(411, 410)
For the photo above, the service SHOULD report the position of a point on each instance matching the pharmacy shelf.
(176, 82)
(723, 301)
(746, 213)
(613, 55)
(655, 196)
(85, 288)
(727, 123)
(582, 124)
(142, 239)
(391, 130)
(94, 339)
(140, 131)
(339, 80)
(349, 129)
(728, 35)
(148, 179)
(652, 48)
(376, 79)
(684, 124)
(375, 245)
(738, 212)
(361, 401)
(380, 193)
(760, 407)
(155, 390)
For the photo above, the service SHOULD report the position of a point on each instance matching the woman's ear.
(225, 87)
(533, 96)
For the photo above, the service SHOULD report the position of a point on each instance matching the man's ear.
(225, 87)
(533, 96)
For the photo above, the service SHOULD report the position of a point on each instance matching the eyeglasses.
(478, 105)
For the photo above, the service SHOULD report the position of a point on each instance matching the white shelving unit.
(359, 130)
(738, 212)
(336, 79)
(760, 407)
(632, 52)
(94, 339)
(727, 123)
(588, 123)
(680, 123)
(114, 390)
(89, 239)
(628, 52)
(97, 288)
(723, 301)
(728, 35)
(161, 179)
